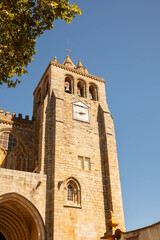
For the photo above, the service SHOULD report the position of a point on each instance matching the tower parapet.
(13, 119)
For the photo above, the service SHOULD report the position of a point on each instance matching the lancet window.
(72, 193)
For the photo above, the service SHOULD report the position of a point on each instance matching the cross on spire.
(68, 50)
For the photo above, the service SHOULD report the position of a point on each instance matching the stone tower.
(70, 177)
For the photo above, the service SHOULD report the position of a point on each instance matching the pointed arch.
(72, 192)
(69, 84)
(93, 91)
(16, 158)
(20, 219)
(81, 88)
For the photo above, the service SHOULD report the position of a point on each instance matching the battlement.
(6, 117)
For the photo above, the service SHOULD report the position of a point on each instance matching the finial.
(112, 223)
(55, 59)
(85, 70)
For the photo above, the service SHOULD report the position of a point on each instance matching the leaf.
(21, 22)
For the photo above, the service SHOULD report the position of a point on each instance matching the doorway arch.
(2, 237)
(19, 219)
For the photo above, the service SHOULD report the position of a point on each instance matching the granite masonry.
(59, 171)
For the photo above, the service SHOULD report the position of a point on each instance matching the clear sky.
(118, 40)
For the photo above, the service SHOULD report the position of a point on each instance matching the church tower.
(75, 146)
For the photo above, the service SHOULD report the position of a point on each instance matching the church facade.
(59, 171)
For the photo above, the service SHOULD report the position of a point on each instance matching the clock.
(80, 112)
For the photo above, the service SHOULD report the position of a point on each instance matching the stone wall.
(26, 185)
(151, 232)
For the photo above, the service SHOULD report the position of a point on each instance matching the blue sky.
(118, 40)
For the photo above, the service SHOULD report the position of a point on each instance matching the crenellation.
(6, 117)
(20, 115)
(7, 113)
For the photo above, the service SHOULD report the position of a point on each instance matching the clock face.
(80, 113)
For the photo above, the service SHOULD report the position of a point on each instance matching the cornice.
(71, 69)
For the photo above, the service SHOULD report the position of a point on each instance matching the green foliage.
(21, 22)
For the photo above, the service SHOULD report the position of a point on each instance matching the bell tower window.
(93, 92)
(81, 88)
(68, 85)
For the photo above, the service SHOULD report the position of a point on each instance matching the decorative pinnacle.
(79, 64)
(55, 59)
(85, 70)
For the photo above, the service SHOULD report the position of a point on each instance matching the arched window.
(81, 88)
(12, 153)
(93, 93)
(68, 85)
(72, 193)
(7, 141)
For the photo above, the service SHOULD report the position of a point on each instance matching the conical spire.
(80, 67)
(79, 64)
(68, 62)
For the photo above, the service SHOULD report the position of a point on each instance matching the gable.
(80, 104)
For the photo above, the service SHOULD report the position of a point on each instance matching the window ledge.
(72, 206)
